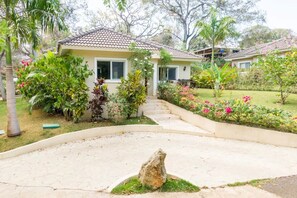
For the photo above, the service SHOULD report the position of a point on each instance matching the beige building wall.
(89, 56)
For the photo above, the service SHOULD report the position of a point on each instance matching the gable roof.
(109, 39)
(284, 44)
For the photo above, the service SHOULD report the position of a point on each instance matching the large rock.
(153, 172)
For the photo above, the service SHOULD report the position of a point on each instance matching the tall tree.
(2, 89)
(259, 34)
(3, 28)
(216, 30)
(137, 19)
(186, 13)
(25, 19)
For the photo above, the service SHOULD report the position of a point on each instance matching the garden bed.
(173, 184)
(234, 131)
(240, 111)
(31, 125)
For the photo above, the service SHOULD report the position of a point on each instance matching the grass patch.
(133, 186)
(265, 98)
(255, 183)
(31, 125)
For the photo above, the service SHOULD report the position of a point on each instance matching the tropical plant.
(57, 84)
(216, 30)
(117, 108)
(216, 77)
(141, 59)
(281, 70)
(100, 93)
(132, 90)
(24, 19)
(165, 59)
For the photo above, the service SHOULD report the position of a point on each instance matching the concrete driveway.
(94, 165)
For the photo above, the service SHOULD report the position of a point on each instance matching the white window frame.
(112, 60)
(245, 63)
(171, 66)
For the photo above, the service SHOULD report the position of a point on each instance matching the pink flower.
(218, 114)
(191, 97)
(228, 110)
(186, 88)
(246, 99)
(26, 62)
(193, 106)
(22, 85)
(206, 110)
(206, 102)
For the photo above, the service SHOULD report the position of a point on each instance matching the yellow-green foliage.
(132, 91)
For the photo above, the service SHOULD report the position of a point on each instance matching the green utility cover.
(50, 126)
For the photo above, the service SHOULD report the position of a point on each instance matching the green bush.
(132, 91)
(56, 84)
(281, 71)
(252, 79)
(216, 77)
(117, 108)
(169, 91)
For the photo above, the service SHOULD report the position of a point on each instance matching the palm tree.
(216, 30)
(24, 20)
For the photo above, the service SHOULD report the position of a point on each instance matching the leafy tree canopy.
(259, 34)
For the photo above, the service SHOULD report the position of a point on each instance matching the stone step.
(153, 101)
(156, 111)
(161, 117)
(148, 107)
(151, 97)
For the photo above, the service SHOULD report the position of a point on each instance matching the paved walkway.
(158, 111)
(93, 165)
(13, 191)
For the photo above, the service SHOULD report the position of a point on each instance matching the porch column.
(155, 78)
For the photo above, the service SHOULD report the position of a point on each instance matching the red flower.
(26, 62)
(246, 99)
(206, 110)
(228, 110)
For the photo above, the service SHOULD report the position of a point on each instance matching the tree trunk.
(212, 53)
(145, 84)
(2, 90)
(13, 128)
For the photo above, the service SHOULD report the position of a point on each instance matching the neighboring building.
(219, 52)
(245, 58)
(107, 53)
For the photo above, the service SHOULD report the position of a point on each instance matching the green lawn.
(31, 125)
(133, 186)
(265, 98)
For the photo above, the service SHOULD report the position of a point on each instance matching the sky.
(279, 13)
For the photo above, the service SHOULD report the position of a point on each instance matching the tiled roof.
(106, 38)
(281, 45)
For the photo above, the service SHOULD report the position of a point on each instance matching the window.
(245, 65)
(110, 70)
(170, 73)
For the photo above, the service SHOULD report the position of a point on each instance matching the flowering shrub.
(56, 84)
(239, 111)
(117, 108)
